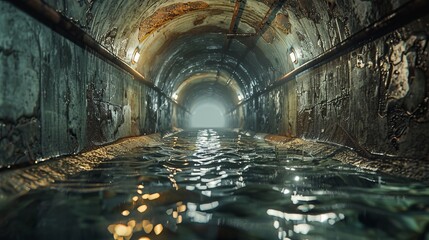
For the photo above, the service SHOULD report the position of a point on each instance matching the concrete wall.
(56, 98)
(376, 98)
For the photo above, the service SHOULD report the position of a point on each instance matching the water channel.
(220, 184)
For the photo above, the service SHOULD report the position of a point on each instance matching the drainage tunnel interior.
(80, 75)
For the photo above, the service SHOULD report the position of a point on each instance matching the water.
(213, 184)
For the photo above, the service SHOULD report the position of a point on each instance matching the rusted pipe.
(260, 25)
(267, 16)
(234, 16)
(402, 16)
(64, 26)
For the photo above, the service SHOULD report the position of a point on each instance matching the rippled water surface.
(218, 184)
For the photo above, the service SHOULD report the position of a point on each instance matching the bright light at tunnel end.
(208, 115)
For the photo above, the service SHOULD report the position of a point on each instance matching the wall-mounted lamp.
(240, 97)
(175, 96)
(136, 56)
(293, 56)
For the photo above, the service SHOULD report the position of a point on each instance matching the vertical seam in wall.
(41, 105)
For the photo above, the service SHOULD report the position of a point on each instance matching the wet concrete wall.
(375, 98)
(57, 98)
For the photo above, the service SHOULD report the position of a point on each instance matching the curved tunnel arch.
(196, 43)
(309, 27)
(202, 88)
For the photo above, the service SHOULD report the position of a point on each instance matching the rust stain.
(214, 12)
(282, 23)
(166, 14)
(268, 36)
(199, 20)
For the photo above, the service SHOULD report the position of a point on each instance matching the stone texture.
(374, 99)
(59, 99)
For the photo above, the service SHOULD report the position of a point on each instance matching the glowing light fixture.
(175, 96)
(136, 56)
(293, 56)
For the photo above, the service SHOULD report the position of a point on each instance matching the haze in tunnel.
(209, 114)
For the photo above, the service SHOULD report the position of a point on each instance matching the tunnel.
(85, 82)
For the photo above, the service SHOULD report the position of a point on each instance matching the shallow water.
(218, 184)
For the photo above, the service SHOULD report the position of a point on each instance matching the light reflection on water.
(212, 184)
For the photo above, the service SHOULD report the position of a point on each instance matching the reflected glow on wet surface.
(213, 184)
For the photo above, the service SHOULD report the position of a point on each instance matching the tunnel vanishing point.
(79, 74)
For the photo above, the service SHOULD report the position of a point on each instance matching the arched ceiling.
(212, 85)
(193, 39)
(186, 40)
